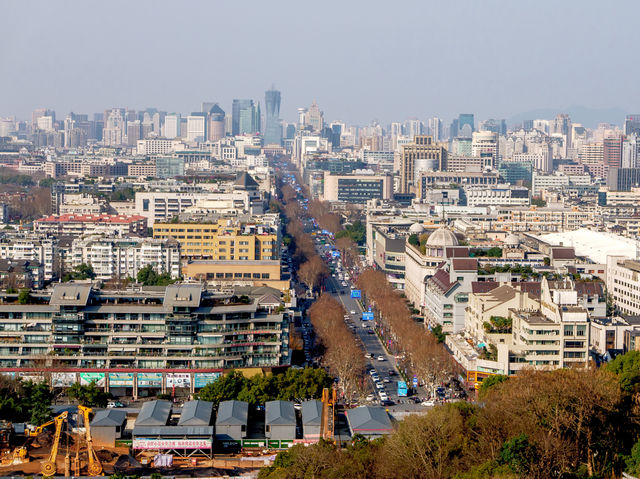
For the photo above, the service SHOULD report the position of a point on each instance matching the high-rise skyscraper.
(612, 148)
(466, 125)
(196, 127)
(172, 125)
(421, 155)
(314, 117)
(273, 130)
(245, 117)
(215, 127)
(435, 128)
(632, 125)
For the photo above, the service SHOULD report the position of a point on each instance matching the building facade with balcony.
(180, 327)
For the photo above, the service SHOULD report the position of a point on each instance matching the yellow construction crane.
(95, 466)
(49, 467)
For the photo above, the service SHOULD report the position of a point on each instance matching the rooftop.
(90, 218)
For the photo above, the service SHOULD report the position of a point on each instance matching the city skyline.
(372, 72)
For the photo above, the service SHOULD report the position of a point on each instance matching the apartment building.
(32, 247)
(546, 219)
(112, 257)
(225, 239)
(517, 330)
(447, 293)
(182, 327)
(243, 195)
(623, 284)
(76, 225)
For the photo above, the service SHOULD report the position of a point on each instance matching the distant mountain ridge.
(589, 117)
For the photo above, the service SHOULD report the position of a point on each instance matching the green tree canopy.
(89, 395)
(79, 273)
(148, 277)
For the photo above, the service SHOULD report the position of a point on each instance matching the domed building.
(512, 241)
(416, 228)
(419, 267)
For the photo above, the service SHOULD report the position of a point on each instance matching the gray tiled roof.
(196, 413)
(312, 412)
(108, 417)
(232, 413)
(279, 413)
(154, 413)
(369, 419)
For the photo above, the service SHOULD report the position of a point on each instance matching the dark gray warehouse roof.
(154, 413)
(232, 413)
(196, 413)
(279, 413)
(108, 417)
(366, 419)
(312, 412)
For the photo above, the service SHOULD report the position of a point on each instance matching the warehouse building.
(280, 421)
(371, 422)
(312, 420)
(107, 426)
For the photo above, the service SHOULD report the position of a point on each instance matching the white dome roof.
(442, 237)
(512, 239)
(416, 228)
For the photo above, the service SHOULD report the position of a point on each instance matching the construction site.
(196, 440)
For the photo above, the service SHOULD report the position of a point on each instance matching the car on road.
(392, 373)
(379, 385)
(373, 372)
(370, 332)
(386, 402)
(381, 358)
(114, 404)
(353, 311)
(386, 380)
(428, 402)
(370, 397)
(383, 396)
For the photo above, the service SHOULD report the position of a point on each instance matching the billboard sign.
(356, 293)
(202, 379)
(367, 316)
(415, 382)
(160, 444)
(149, 380)
(98, 378)
(178, 380)
(63, 380)
(120, 379)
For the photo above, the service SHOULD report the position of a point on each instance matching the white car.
(373, 372)
(370, 397)
(381, 358)
(383, 396)
(428, 403)
(353, 311)
(386, 380)
(379, 385)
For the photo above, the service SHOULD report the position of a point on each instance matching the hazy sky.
(361, 60)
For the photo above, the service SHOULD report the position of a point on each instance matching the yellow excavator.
(49, 468)
(38, 430)
(95, 466)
